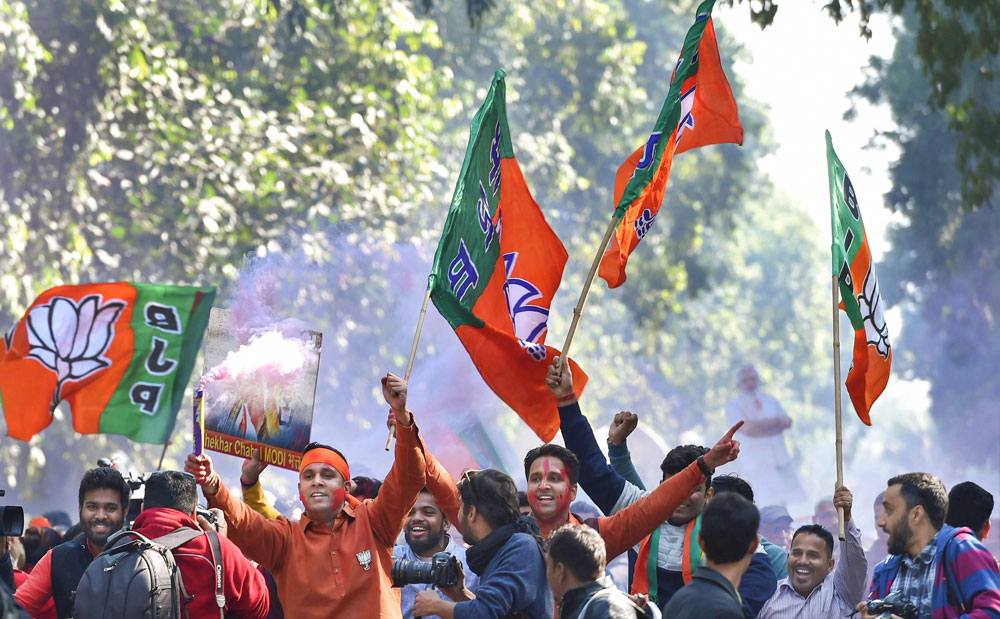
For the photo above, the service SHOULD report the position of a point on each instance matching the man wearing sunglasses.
(336, 561)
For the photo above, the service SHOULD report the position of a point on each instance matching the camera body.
(208, 515)
(893, 604)
(11, 519)
(440, 571)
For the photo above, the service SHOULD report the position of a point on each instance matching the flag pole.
(413, 355)
(836, 399)
(578, 310)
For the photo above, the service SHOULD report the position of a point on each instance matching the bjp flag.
(496, 269)
(699, 110)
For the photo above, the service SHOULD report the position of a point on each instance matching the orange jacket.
(340, 572)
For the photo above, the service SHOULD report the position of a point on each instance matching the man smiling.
(818, 586)
(426, 533)
(103, 500)
(336, 561)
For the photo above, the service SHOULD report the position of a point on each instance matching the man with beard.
(103, 501)
(506, 553)
(426, 532)
(667, 558)
(943, 571)
(817, 586)
(336, 560)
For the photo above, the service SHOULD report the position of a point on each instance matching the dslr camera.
(11, 519)
(440, 571)
(893, 604)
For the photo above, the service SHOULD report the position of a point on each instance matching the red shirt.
(243, 586)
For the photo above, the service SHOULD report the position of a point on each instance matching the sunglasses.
(467, 476)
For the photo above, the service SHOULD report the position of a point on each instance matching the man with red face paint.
(553, 473)
(336, 561)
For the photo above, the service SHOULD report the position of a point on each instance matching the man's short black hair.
(494, 495)
(680, 457)
(568, 458)
(732, 482)
(172, 489)
(925, 490)
(969, 506)
(105, 478)
(580, 548)
(821, 532)
(728, 526)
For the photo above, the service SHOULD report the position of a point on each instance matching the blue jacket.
(612, 492)
(513, 581)
(966, 582)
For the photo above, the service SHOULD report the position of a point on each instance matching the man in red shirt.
(103, 504)
(169, 503)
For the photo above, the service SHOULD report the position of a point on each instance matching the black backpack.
(135, 577)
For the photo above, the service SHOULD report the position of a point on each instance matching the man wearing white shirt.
(817, 586)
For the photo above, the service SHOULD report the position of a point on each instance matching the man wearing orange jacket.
(336, 561)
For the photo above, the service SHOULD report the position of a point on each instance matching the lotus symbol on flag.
(69, 339)
(530, 321)
(870, 302)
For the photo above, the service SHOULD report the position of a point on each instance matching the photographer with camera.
(213, 576)
(103, 499)
(940, 570)
(417, 565)
(506, 553)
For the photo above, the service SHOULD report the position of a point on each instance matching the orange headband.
(326, 456)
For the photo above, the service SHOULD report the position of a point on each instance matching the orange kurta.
(340, 572)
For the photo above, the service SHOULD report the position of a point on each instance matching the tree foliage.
(942, 265)
(958, 45)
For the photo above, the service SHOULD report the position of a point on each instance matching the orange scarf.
(644, 578)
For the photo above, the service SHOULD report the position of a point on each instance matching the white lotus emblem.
(69, 338)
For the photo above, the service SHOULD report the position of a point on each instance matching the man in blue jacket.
(671, 552)
(506, 553)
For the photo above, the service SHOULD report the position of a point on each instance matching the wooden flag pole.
(413, 355)
(836, 400)
(578, 310)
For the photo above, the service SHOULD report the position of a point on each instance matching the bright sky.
(802, 67)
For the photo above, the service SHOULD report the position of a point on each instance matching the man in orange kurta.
(337, 560)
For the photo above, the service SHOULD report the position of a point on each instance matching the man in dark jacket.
(103, 503)
(505, 552)
(728, 537)
(575, 571)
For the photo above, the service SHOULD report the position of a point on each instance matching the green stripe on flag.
(168, 323)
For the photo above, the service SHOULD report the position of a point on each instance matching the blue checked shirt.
(915, 580)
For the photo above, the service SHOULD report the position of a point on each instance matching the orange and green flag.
(119, 354)
(496, 269)
(699, 110)
(860, 294)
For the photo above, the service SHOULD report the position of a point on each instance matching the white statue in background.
(764, 460)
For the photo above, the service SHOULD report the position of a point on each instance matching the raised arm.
(621, 460)
(406, 478)
(629, 526)
(438, 481)
(851, 571)
(261, 539)
(601, 483)
(253, 493)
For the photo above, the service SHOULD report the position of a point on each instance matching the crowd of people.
(421, 544)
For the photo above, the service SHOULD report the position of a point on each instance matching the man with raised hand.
(337, 560)
(818, 586)
(667, 558)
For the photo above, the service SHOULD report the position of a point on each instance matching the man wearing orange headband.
(336, 561)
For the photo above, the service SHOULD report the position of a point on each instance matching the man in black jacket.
(728, 538)
(574, 567)
(103, 503)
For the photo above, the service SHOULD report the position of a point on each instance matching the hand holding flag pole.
(413, 355)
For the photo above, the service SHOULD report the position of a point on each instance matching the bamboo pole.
(837, 402)
(413, 355)
(578, 310)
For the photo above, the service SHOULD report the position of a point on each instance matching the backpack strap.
(176, 538)
(220, 598)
